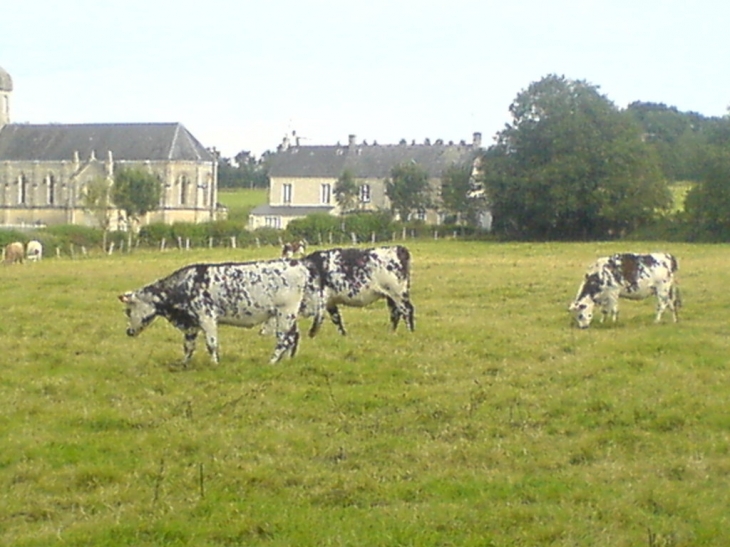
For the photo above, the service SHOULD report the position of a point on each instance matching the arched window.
(22, 189)
(184, 186)
(51, 187)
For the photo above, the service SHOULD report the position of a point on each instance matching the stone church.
(44, 169)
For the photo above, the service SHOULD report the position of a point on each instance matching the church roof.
(6, 82)
(131, 142)
(367, 161)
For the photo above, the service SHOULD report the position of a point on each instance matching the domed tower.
(6, 88)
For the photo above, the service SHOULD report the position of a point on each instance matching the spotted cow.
(359, 277)
(295, 248)
(199, 297)
(631, 276)
(14, 252)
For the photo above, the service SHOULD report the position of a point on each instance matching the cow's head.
(582, 310)
(140, 312)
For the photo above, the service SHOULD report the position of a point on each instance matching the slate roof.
(131, 142)
(366, 161)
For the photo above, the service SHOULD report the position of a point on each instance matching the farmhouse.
(303, 178)
(44, 169)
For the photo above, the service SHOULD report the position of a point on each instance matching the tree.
(708, 202)
(571, 165)
(97, 199)
(408, 189)
(136, 192)
(677, 137)
(244, 171)
(346, 191)
(456, 185)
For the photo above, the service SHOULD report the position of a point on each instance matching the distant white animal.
(14, 252)
(631, 276)
(34, 250)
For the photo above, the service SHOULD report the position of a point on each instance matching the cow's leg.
(613, 307)
(210, 328)
(336, 319)
(189, 344)
(675, 301)
(316, 324)
(662, 303)
(403, 309)
(287, 338)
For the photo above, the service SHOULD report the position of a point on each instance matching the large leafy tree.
(245, 172)
(678, 137)
(136, 192)
(571, 165)
(456, 185)
(346, 191)
(708, 203)
(97, 199)
(408, 189)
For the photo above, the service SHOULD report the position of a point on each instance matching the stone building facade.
(44, 169)
(303, 178)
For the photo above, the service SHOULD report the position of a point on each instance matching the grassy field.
(494, 423)
(241, 201)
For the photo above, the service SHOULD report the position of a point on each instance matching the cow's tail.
(676, 296)
(674, 264)
(404, 256)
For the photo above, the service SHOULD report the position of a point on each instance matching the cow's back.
(243, 294)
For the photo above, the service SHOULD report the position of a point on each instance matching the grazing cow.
(34, 251)
(358, 277)
(295, 248)
(631, 276)
(199, 297)
(14, 252)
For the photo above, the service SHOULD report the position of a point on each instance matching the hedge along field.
(495, 423)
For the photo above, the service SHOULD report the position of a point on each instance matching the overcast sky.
(241, 74)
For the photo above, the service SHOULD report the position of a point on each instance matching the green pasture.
(494, 424)
(241, 201)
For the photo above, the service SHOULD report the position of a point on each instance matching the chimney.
(351, 140)
(477, 140)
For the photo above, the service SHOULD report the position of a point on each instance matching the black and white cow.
(631, 276)
(199, 297)
(293, 249)
(359, 277)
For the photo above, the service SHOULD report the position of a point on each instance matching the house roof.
(366, 161)
(131, 142)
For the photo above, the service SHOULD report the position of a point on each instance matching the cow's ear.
(126, 297)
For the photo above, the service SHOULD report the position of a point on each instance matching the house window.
(51, 185)
(22, 189)
(365, 193)
(286, 191)
(421, 214)
(184, 184)
(325, 194)
(273, 222)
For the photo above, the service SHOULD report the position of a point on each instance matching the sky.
(242, 74)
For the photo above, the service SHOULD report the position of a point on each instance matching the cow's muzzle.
(132, 332)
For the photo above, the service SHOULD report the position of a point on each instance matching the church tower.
(6, 88)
